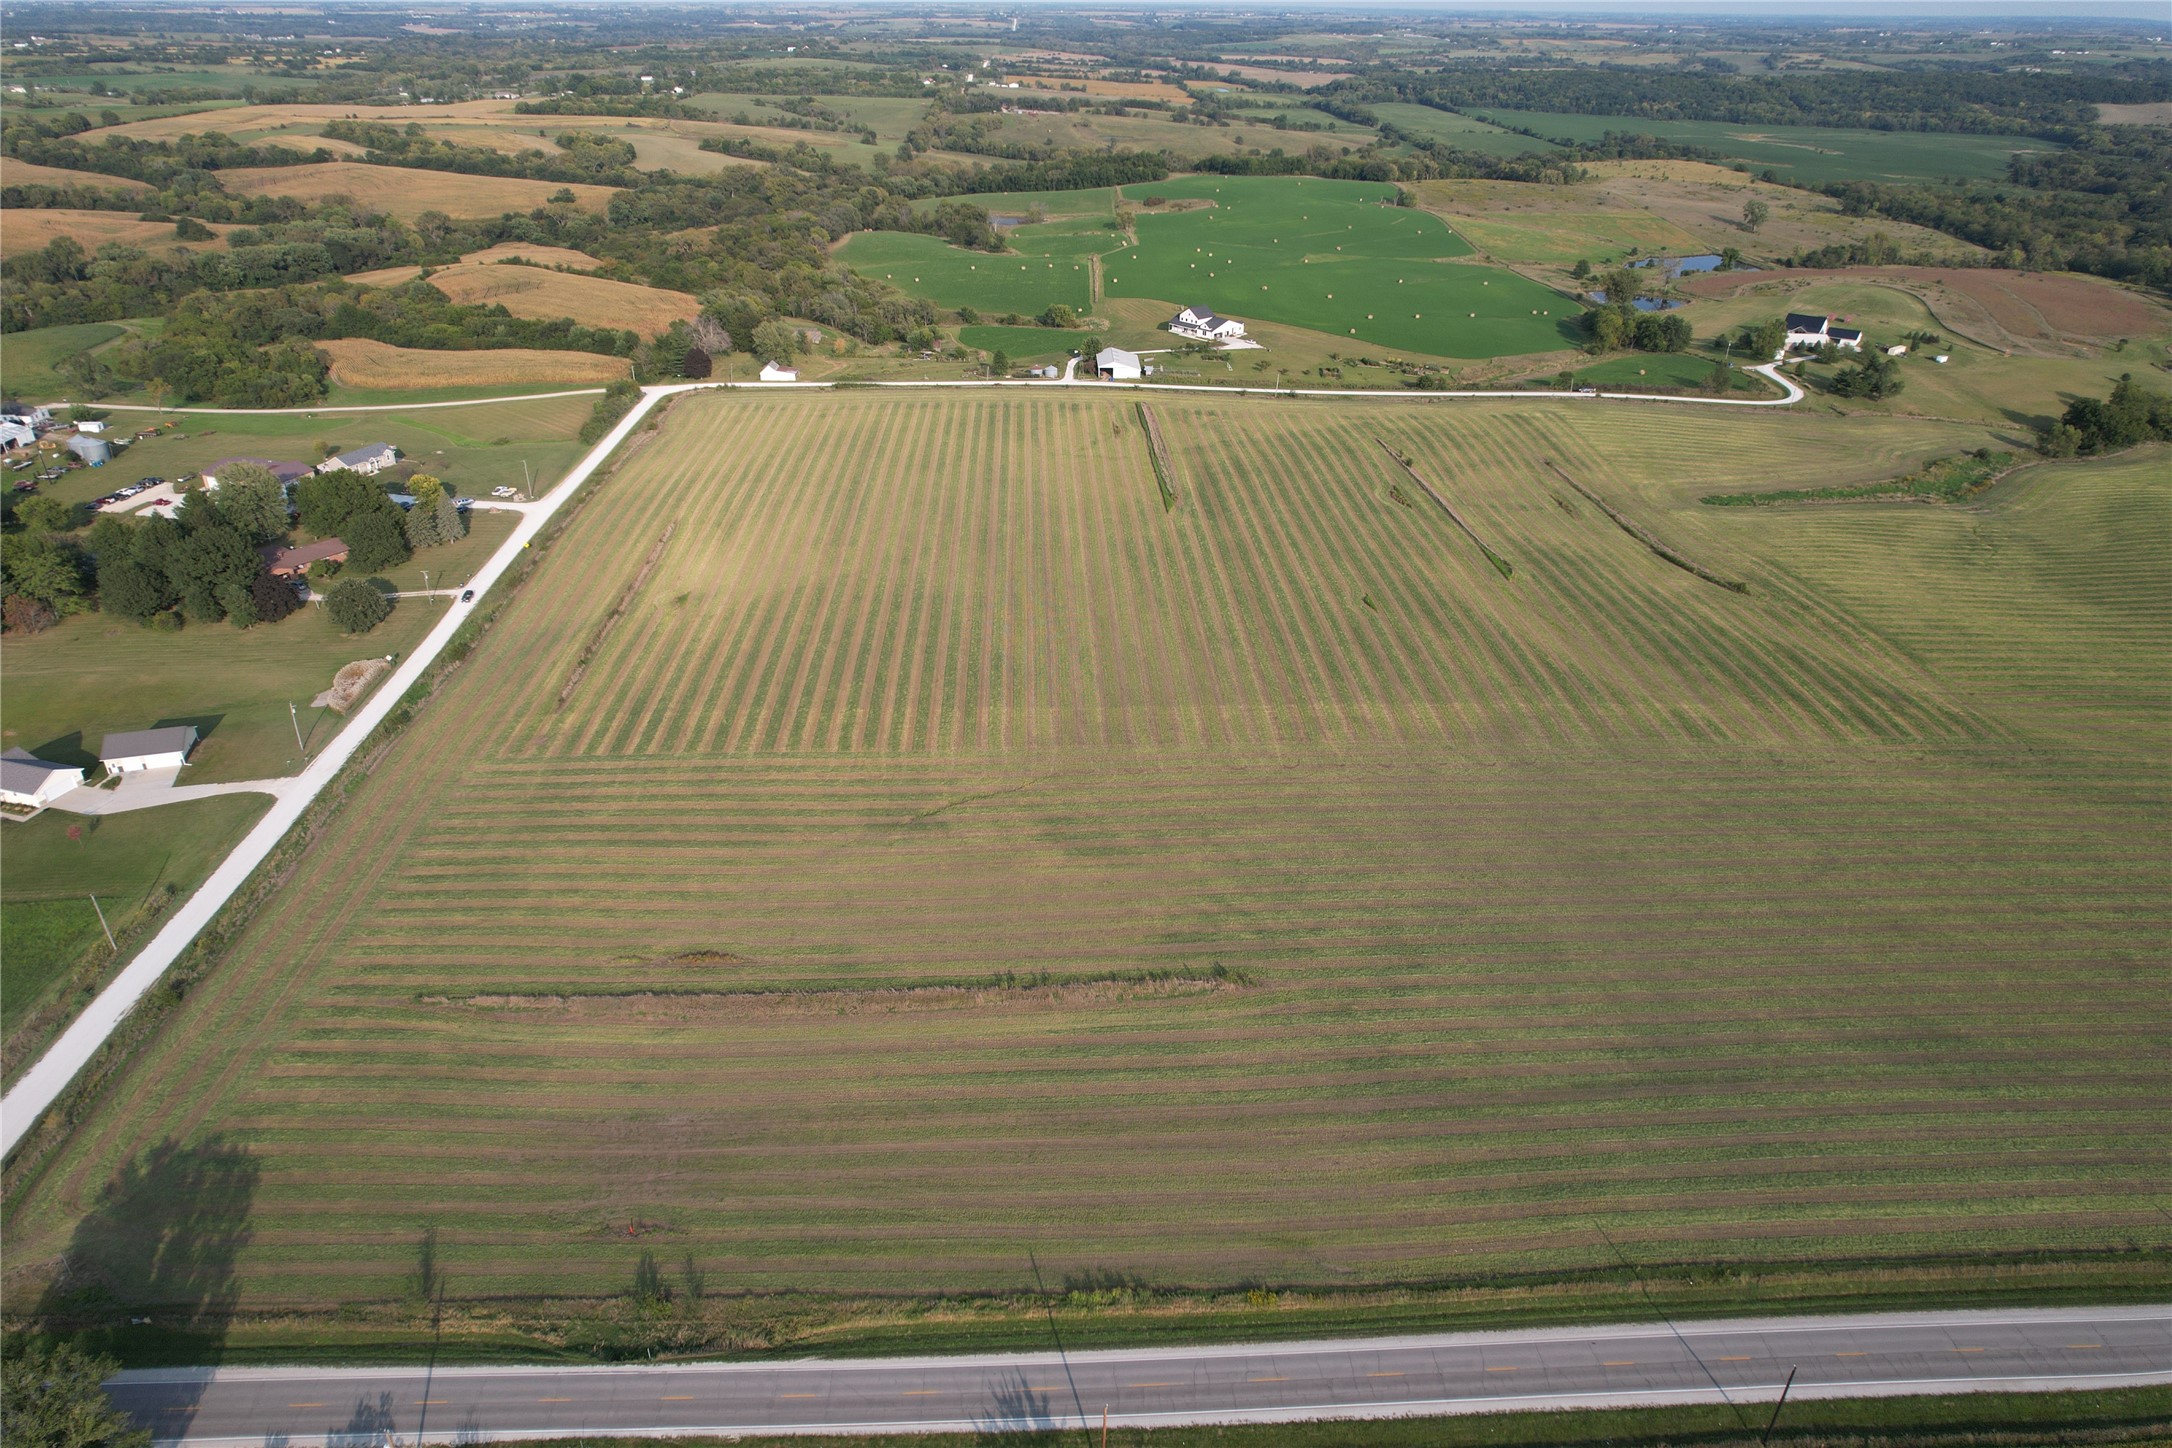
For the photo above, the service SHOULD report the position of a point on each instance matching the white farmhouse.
(1117, 365)
(778, 372)
(141, 749)
(1202, 325)
(28, 782)
(1806, 329)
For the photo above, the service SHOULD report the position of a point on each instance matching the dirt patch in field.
(2145, 113)
(359, 362)
(553, 257)
(350, 684)
(2033, 312)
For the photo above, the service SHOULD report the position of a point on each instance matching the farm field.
(1460, 131)
(30, 229)
(592, 301)
(1333, 257)
(29, 173)
(1804, 154)
(406, 192)
(856, 882)
(1026, 343)
(1024, 281)
(373, 366)
(1325, 256)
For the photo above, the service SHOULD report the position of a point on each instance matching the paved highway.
(1742, 1363)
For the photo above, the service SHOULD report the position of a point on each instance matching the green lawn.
(1804, 154)
(1337, 257)
(1459, 131)
(473, 448)
(1662, 370)
(29, 360)
(1026, 344)
(47, 879)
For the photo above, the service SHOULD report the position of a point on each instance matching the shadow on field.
(150, 1272)
(205, 724)
(68, 749)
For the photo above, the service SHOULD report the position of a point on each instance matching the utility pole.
(294, 717)
(102, 924)
(1766, 1436)
(527, 483)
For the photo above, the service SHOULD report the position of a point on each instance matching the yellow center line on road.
(554, 1400)
(292, 1405)
(1734, 1359)
(1851, 1354)
(1632, 1362)
(2083, 1346)
(1383, 1375)
(1266, 1380)
(1500, 1370)
(431, 1402)
(1153, 1385)
(799, 1395)
(679, 1398)
(1968, 1349)
(923, 1392)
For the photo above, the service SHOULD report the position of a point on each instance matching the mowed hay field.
(359, 362)
(533, 291)
(406, 191)
(822, 869)
(30, 230)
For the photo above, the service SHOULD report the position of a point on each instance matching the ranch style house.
(370, 458)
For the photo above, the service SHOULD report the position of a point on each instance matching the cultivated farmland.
(858, 877)
(534, 291)
(359, 362)
(407, 192)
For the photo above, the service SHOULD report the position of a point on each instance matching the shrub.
(356, 607)
(22, 614)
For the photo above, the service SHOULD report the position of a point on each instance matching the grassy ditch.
(1941, 480)
(1973, 1420)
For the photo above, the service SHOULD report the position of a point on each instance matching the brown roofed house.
(294, 562)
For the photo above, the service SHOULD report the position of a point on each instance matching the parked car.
(467, 595)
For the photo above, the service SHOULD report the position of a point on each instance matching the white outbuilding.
(777, 372)
(1118, 365)
(28, 782)
(141, 749)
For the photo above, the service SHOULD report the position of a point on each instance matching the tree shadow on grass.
(157, 1252)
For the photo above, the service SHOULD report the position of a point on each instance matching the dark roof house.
(288, 562)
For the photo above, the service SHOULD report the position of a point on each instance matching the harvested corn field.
(533, 291)
(814, 935)
(359, 362)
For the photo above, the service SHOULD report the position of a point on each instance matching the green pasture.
(1686, 371)
(1805, 154)
(47, 879)
(29, 360)
(1026, 344)
(1098, 202)
(1021, 281)
(1336, 257)
(1460, 131)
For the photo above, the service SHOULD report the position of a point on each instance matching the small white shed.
(141, 749)
(777, 372)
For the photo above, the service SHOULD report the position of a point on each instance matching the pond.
(1684, 265)
(1643, 304)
